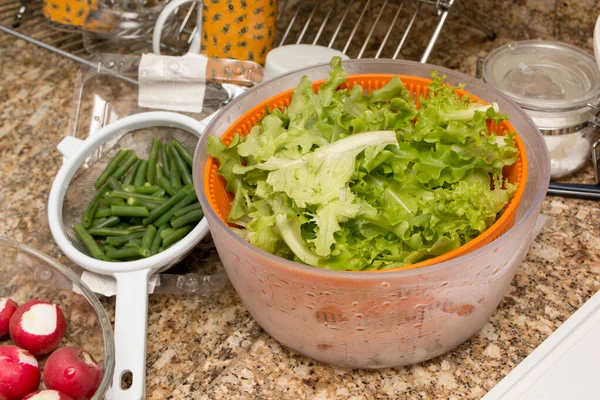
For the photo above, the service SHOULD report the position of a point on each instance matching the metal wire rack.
(360, 28)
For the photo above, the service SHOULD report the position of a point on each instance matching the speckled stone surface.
(210, 348)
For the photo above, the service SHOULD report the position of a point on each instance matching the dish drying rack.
(361, 28)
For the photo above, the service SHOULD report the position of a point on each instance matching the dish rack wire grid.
(363, 28)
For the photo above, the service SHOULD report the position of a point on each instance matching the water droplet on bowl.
(385, 285)
(43, 274)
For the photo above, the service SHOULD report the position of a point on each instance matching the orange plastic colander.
(220, 200)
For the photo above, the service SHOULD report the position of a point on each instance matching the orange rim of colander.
(516, 173)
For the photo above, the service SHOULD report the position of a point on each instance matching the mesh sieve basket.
(70, 194)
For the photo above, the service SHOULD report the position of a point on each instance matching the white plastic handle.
(162, 18)
(69, 146)
(130, 334)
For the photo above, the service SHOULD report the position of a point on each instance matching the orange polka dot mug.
(68, 14)
(234, 29)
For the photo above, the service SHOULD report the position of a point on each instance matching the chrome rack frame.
(24, 19)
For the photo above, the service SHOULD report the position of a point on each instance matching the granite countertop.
(210, 347)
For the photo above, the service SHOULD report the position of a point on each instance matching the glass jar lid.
(544, 75)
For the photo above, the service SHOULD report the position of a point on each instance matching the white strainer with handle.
(71, 192)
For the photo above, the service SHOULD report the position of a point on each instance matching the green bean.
(121, 240)
(165, 207)
(186, 155)
(110, 231)
(97, 221)
(150, 205)
(129, 211)
(125, 165)
(107, 222)
(157, 240)
(140, 189)
(114, 184)
(140, 175)
(112, 201)
(165, 159)
(130, 175)
(166, 185)
(133, 243)
(159, 173)
(102, 212)
(174, 174)
(152, 161)
(127, 195)
(110, 168)
(137, 228)
(187, 200)
(187, 209)
(126, 252)
(147, 241)
(192, 216)
(90, 211)
(89, 242)
(166, 217)
(159, 193)
(184, 171)
(166, 232)
(177, 235)
(136, 221)
(107, 247)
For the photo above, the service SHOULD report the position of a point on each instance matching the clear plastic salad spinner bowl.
(376, 319)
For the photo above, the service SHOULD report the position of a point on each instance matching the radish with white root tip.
(37, 326)
(7, 309)
(48, 395)
(19, 373)
(74, 372)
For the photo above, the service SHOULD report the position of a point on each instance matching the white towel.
(172, 83)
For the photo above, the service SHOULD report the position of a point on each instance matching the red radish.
(19, 373)
(37, 326)
(7, 309)
(47, 395)
(74, 372)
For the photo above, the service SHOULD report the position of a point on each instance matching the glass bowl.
(27, 274)
(382, 319)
